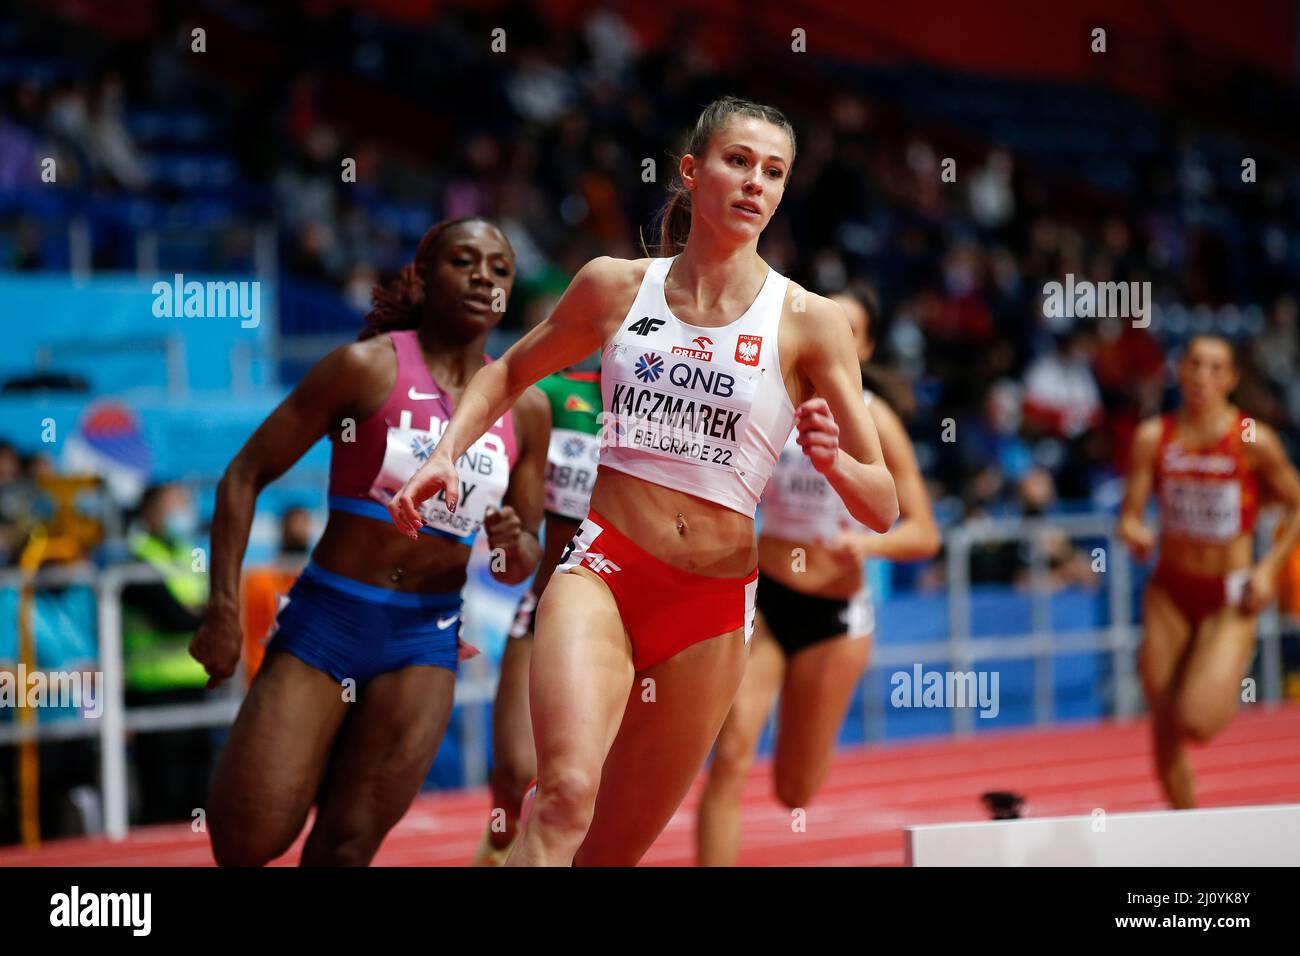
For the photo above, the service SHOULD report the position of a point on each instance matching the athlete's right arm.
(1133, 530)
(329, 392)
(573, 330)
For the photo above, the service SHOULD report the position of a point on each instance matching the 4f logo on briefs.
(645, 325)
(599, 563)
(748, 348)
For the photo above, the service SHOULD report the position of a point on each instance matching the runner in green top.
(570, 473)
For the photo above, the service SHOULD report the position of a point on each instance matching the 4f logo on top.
(748, 348)
(645, 325)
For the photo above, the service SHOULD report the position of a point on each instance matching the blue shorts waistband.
(435, 600)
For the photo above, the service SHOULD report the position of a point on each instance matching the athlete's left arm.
(1284, 483)
(835, 431)
(916, 536)
(513, 529)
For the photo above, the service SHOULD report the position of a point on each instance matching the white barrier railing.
(1121, 638)
(116, 722)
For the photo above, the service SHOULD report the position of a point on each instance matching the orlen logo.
(649, 367)
(747, 349)
(701, 352)
(599, 563)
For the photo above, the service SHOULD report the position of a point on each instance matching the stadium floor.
(858, 817)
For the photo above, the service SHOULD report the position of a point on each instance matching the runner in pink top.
(367, 467)
(360, 672)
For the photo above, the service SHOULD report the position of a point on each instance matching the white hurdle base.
(1234, 836)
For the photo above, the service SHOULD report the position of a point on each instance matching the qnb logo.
(422, 447)
(698, 379)
(645, 325)
(649, 367)
(132, 910)
(701, 350)
(572, 447)
(600, 564)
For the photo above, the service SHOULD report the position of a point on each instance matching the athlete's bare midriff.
(1209, 559)
(715, 541)
(808, 568)
(374, 552)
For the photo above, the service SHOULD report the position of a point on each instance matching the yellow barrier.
(72, 535)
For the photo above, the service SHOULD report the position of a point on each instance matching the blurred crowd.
(554, 141)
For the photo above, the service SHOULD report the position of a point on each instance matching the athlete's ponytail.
(674, 221)
(400, 304)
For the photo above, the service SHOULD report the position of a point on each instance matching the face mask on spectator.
(180, 524)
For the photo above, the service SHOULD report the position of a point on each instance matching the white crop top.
(799, 503)
(701, 410)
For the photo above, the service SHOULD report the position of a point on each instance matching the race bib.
(677, 407)
(484, 475)
(800, 504)
(571, 471)
(1196, 508)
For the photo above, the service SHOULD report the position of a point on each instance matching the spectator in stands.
(994, 437)
(158, 620)
(1067, 566)
(1276, 353)
(992, 201)
(992, 561)
(964, 261)
(264, 586)
(19, 142)
(115, 152)
(68, 126)
(1061, 395)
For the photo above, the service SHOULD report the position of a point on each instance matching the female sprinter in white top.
(709, 358)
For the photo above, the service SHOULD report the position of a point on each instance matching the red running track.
(858, 816)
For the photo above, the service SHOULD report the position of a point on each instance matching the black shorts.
(799, 620)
